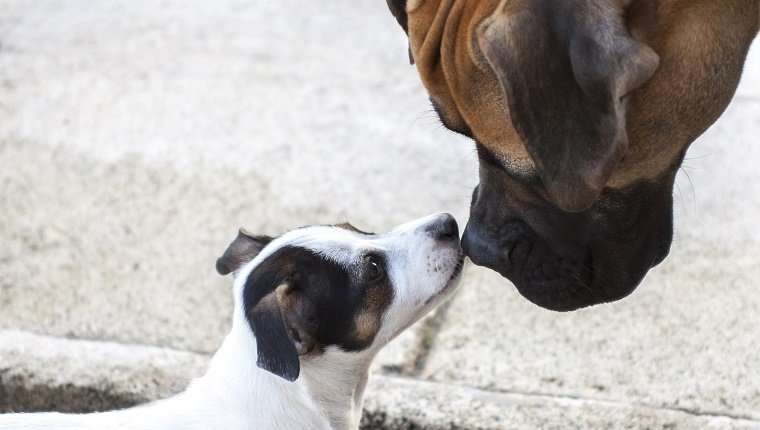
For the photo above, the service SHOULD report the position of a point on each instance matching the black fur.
(320, 302)
(563, 261)
(243, 249)
(398, 9)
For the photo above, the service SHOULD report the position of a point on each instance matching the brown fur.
(701, 43)
(581, 111)
(369, 318)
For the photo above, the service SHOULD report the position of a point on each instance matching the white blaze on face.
(421, 269)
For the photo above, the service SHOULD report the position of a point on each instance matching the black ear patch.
(299, 302)
(243, 249)
(276, 351)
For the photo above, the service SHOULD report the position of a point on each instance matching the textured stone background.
(136, 137)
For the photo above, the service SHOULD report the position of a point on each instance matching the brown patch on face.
(378, 295)
(367, 326)
(369, 318)
(322, 302)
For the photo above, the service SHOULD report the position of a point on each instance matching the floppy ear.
(565, 67)
(276, 352)
(243, 249)
(398, 9)
(279, 315)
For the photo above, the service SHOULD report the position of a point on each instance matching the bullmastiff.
(581, 111)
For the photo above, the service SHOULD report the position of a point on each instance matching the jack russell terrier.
(312, 309)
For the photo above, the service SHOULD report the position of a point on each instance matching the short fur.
(581, 111)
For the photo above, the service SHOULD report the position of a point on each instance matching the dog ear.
(279, 314)
(299, 315)
(276, 351)
(398, 9)
(243, 249)
(565, 67)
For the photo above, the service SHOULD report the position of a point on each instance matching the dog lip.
(550, 280)
(485, 252)
(451, 283)
(455, 277)
(458, 268)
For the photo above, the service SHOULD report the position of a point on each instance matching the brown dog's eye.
(374, 271)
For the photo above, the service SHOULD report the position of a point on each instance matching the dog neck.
(335, 381)
(328, 393)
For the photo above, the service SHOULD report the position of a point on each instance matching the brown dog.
(582, 111)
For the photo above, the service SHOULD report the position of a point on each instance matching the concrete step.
(44, 373)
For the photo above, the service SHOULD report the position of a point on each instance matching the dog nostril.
(444, 228)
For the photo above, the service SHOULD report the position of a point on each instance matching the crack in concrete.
(428, 336)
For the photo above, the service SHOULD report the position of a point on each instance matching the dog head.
(581, 111)
(337, 288)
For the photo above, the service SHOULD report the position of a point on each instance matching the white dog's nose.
(443, 227)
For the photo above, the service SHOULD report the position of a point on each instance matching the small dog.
(312, 309)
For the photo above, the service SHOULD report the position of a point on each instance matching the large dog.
(581, 111)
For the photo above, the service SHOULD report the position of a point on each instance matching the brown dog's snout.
(564, 261)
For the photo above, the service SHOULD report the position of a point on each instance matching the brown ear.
(565, 67)
(243, 249)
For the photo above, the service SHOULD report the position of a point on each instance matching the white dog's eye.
(374, 271)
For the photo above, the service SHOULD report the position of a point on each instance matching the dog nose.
(444, 227)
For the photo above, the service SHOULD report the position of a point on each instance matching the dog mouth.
(458, 267)
(547, 279)
(451, 283)
(454, 278)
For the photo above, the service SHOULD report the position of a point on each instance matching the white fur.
(235, 394)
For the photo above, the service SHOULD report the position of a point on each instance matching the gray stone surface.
(125, 250)
(411, 404)
(136, 137)
(51, 373)
(41, 374)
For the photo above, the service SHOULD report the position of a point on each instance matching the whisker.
(693, 191)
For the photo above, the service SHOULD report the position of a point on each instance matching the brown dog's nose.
(444, 227)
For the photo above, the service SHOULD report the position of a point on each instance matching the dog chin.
(566, 287)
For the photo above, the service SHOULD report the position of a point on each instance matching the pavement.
(136, 137)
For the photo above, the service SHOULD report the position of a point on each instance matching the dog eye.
(374, 271)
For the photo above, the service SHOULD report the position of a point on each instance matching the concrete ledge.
(409, 403)
(48, 373)
(44, 373)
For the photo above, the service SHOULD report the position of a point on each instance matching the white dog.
(312, 309)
